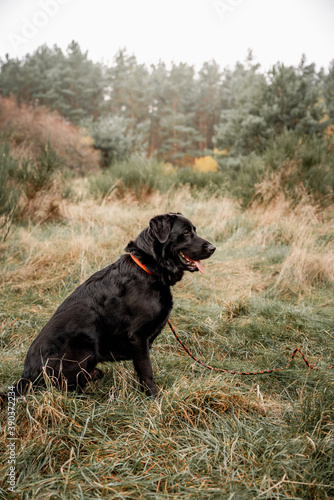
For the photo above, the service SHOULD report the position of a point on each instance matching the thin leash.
(232, 372)
(223, 370)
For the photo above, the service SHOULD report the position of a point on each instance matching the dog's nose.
(211, 248)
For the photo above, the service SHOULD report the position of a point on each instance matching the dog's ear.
(161, 226)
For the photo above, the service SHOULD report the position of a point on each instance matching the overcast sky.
(191, 31)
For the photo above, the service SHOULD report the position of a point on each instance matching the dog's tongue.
(198, 264)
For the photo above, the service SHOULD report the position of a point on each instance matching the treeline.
(173, 113)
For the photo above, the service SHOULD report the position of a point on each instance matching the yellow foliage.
(220, 152)
(330, 130)
(86, 138)
(205, 164)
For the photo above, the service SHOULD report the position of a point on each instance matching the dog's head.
(176, 239)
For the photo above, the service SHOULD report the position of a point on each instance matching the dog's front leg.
(142, 363)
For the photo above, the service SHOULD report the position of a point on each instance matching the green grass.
(209, 435)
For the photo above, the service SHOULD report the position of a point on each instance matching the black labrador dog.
(118, 312)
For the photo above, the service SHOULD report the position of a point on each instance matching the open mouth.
(191, 264)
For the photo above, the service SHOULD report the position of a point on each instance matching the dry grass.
(95, 233)
(299, 226)
(306, 267)
(45, 206)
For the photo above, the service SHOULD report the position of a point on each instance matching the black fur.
(118, 312)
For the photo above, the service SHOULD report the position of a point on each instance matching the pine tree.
(71, 84)
(293, 100)
(127, 95)
(208, 103)
(157, 92)
(328, 90)
(81, 91)
(12, 79)
(173, 111)
(127, 83)
(241, 126)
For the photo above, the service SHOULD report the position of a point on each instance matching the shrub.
(28, 128)
(240, 175)
(142, 177)
(136, 175)
(28, 187)
(303, 164)
(111, 138)
(39, 174)
(290, 166)
(280, 148)
(212, 182)
(8, 193)
(316, 158)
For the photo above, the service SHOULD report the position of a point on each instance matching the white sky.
(191, 31)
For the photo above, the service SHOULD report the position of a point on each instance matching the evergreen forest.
(173, 112)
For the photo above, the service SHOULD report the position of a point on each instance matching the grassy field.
(267, 289)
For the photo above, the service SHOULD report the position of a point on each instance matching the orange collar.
(137, 261)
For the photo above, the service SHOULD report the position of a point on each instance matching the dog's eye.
(186, 232)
